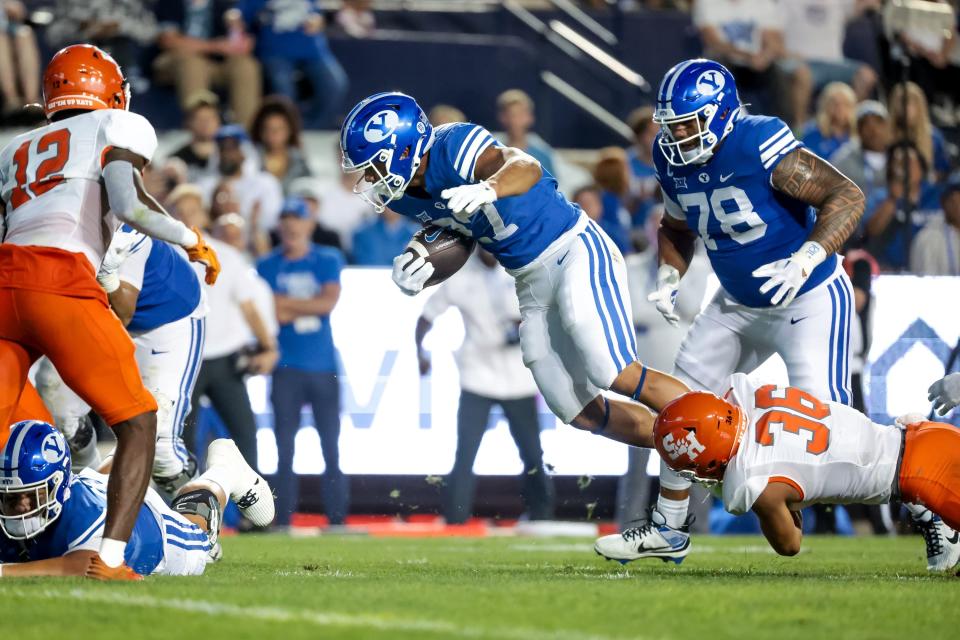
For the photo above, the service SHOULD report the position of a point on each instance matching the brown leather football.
(446, 250)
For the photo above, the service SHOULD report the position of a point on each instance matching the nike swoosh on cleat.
(955, 538)
(564, 257)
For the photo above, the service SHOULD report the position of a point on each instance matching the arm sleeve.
(132, 269)
(463, 145)
(774, 141)
(126, 205)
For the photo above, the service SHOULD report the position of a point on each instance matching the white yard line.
(306, 616)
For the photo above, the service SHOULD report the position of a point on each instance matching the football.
(446, 250)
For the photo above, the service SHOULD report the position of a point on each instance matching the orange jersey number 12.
(797, 411)
(47, 174)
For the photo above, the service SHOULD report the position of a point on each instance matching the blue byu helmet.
(34, 475)
(704, 93)
(385, 137)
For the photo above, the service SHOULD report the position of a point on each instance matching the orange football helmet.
(698, 433)
(83, 76)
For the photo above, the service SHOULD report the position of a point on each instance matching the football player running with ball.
(576, 334)
(772, 216)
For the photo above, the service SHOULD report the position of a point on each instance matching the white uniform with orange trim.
(828, 451)
(63, 162)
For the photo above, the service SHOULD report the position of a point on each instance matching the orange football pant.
(31, 407)
(930, 472)
(50, 304)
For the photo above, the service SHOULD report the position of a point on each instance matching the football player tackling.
(52, 181)
(775, 450)
(576, 335)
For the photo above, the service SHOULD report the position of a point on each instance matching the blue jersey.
(307, 342)
(744, 222)
(169, 287)
(80, 527)
(516, 229)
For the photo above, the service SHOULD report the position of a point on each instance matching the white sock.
(674, 511)
(111, 552)
(919, 512)
(222, 477)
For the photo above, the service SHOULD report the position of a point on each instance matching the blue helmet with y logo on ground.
(704, 93)
(34, 475)
(384, 137)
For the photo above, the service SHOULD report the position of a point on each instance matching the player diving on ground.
(52, 520)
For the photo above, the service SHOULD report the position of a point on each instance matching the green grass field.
(510, 588)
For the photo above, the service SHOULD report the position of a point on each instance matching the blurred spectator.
(342, 210)
(919, 131)
(747, 37)
(491, 373)
(121, 27)
(356, 19)
(19, 60)
(382, 239)
(161, 178)
(203, 44)
(936, 249)
(240, 337)
(612, 175)
(257, 194)
(643, 184)
(307, 190)
(864, 158)
(834, 121)
(888, 231)
(291, 38)
(515, 112)
(659, 343)
(202, 120)
(814, 39)
(588, 199)
(276, 132)
(231, 228)
(933, 62)
(305, 279)
(445, 114)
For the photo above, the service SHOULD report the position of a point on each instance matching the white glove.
(909, 418)
(411, 275)
(945, 393)
(790, 274)
(120, 247)
(469, 197)
(668, 282)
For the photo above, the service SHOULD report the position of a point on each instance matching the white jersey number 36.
(743, 213)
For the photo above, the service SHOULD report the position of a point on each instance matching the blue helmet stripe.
(10, 468)
(673, 80)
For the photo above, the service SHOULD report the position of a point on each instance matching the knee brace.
(201, 502)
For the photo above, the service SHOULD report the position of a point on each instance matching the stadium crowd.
(251, 75)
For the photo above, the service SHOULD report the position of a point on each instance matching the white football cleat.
(250, 492)
(943, 543)
(655, 539)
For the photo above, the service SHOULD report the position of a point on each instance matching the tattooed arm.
(838, 201)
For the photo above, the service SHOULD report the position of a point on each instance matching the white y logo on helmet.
(710, 82)
(381, 126)
(689, 445)
(52, 449)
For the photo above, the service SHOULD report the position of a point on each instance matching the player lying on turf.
(775, 450)
(52, 520)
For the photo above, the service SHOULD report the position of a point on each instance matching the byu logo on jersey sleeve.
(381, 126)
(710, 82)
(53, 448)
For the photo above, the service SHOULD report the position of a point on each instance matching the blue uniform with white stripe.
(516, 229)
(80, 527)
(744, 222)
(169, 288)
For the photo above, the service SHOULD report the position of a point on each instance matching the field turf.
(284, 588)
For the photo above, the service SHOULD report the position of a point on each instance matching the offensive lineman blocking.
(57, 232)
